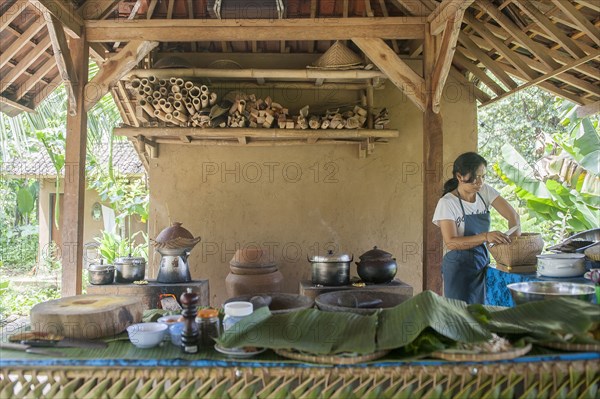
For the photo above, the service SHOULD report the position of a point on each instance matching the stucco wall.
(304, 199)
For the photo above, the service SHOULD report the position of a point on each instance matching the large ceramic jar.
(252, 272)
(376, 266)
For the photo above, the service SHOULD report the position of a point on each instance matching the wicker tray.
(330, 359)
(568, 346)
(464, 356)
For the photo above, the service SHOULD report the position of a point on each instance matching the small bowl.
(147, 335)
(175, 330)
(540, 290)
(169, 320)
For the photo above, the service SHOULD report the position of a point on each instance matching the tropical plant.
(112, 246)
(564, 184)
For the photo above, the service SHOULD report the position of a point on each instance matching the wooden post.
(72, 221)
(432, 174)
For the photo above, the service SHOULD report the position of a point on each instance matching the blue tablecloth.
(496, 281)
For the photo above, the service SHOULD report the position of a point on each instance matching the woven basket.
(521, 251)
(336, 57)
(593, 252)
(330, 359)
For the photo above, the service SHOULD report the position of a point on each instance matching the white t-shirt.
(448, 207)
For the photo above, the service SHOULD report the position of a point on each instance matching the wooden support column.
(72, 221)
(433, 145)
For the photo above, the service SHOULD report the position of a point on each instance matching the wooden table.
(395, 286)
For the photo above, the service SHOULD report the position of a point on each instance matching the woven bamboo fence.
(561, 379)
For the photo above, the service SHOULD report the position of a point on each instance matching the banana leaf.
(540, 319)
(402, 324)
(308, 330)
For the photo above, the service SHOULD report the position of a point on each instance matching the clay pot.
(376, 266)
(250, 284)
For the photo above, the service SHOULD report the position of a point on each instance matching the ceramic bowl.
(169, 320)
(147, 335)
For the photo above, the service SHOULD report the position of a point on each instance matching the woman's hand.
(497, 237)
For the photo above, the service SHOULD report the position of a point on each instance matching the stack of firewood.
(183, 103)
(174, 100)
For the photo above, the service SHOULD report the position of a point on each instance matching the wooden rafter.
(97, 9)
(443, 61)
(13, 104)
(396, 70)
(544, 69)
(547, 76)
(536, 49)
(50, 86)
(62, 56)
(151, 8)
(133, 13)
(418, 8)
(500, 46)
(582, 22)
(13, 12)
(17, 45)
(488, 62)
(447, 9)
(554, 31)
(479, 94)
(577, 99)
(128, 105)
(23, 64)
(63, 11)
(559, 56)
(30, 83)
(479, 73)
(182, 30)
(114, 69)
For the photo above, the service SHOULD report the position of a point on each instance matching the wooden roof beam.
(447, 9)
(535, 48)
(559, 56)
(582, 22)
(416, 7)
(62, 55)
(18, 44)
(35, 78)
(487, 61)
(500, 46)
(97, 9)
(64, 12)
(588, 110)
(13, 12)
(547, 76)
(479, 94)
(14, 105)
(23, 64)
(463, 61)
(184, 30)
(443, 60)
(554, 31)
(396, 70)
(114, 69)
(548, 86)
(50, 87)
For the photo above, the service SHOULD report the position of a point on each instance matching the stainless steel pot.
(100, 274)
(331, 269)
(561, 265)
(130, 269)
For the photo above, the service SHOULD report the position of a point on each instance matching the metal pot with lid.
(100, 274)
(130, 269)
(174, 243)
(376, 266)
(331, 269)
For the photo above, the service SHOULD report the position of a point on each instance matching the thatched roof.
(502, 46)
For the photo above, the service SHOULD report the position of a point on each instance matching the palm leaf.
(402, 324)
(308, 330)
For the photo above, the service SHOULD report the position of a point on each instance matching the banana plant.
(564, 185)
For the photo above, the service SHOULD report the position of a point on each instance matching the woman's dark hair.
(466, 163)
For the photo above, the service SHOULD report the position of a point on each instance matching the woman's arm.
(508, 213)
(455, 242)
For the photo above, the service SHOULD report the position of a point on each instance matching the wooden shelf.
(253, 137)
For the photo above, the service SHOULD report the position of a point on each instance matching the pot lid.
(376, 254)
(130, 259)
(330, 257)
(175, 237)
(172, 232)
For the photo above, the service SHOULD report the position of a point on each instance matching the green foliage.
(18, 249)
(19, 299)
(113, 246)
(25, 201)
(54, 142)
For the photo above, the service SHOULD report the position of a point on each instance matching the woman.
(463, 216)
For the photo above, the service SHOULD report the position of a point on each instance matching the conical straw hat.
(337, 56)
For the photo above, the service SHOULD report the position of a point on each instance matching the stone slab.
(396, 286)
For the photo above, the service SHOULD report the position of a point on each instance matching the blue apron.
(464, 271)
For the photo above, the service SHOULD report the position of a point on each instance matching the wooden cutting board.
(87, 316)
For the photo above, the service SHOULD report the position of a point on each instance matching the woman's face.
(476, 184)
